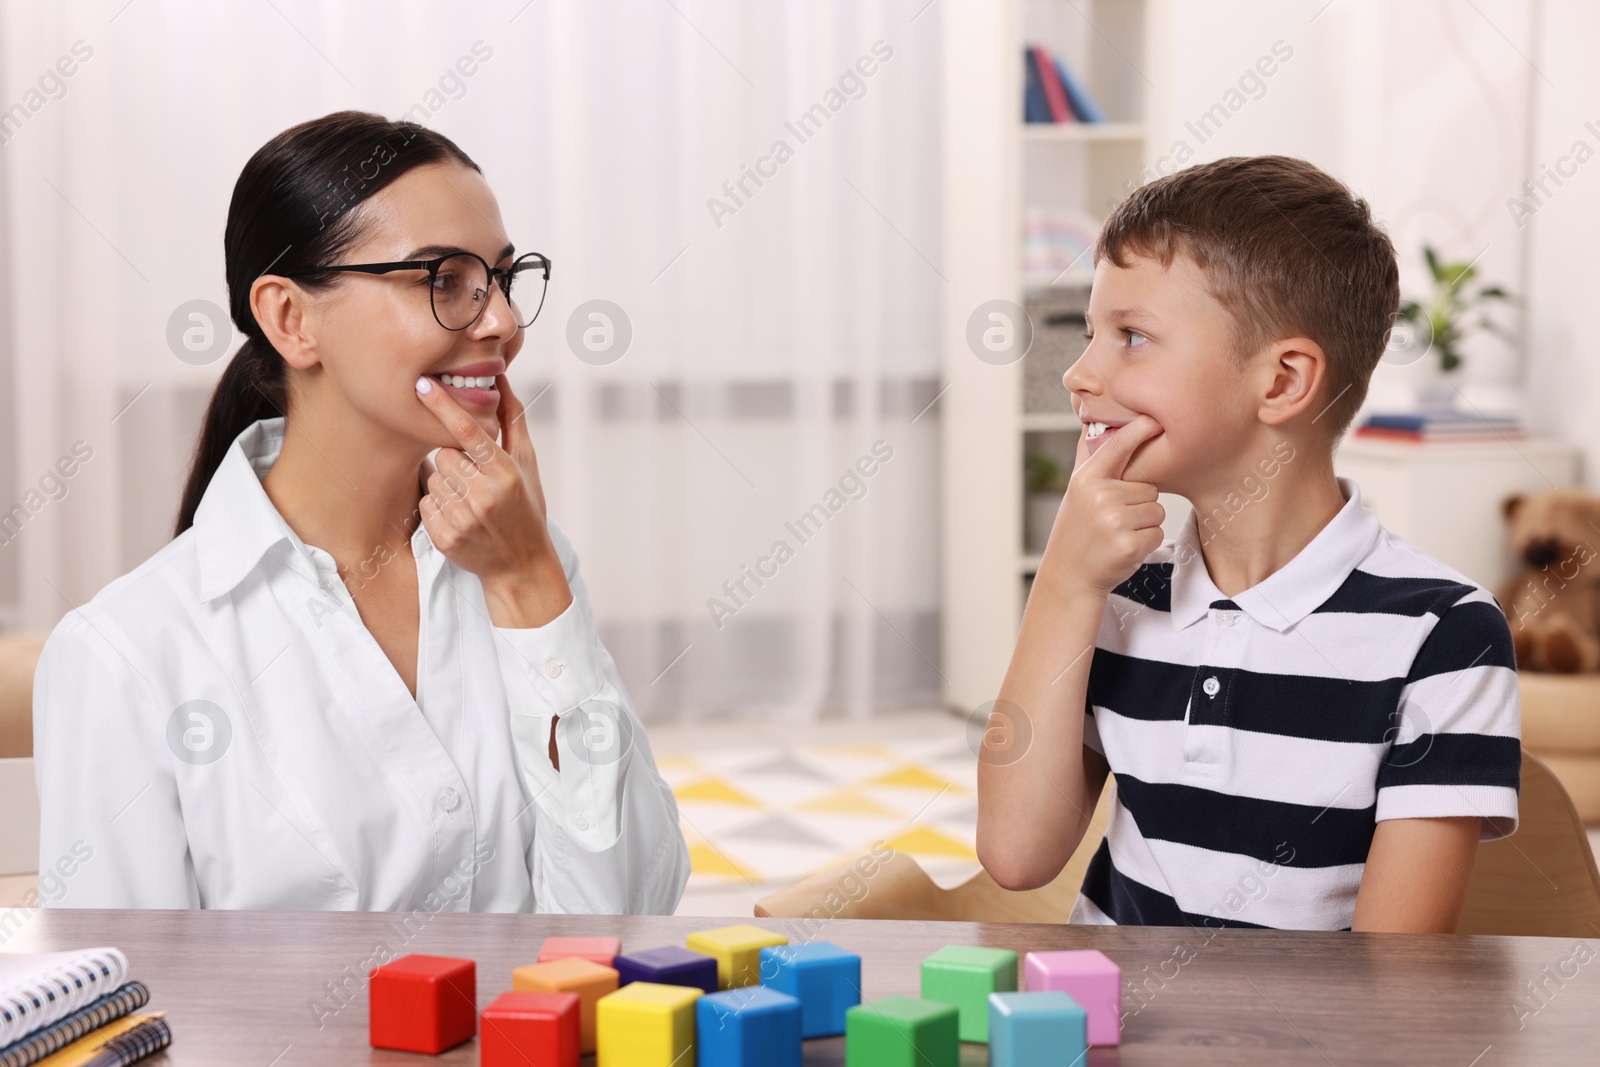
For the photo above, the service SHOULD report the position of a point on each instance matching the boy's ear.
(1296, 368)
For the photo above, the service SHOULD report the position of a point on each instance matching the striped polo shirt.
(1257, 740)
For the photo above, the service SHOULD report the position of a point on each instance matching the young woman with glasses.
(357, 677)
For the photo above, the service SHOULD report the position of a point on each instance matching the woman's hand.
(484, 509)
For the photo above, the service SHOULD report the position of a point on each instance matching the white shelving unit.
(996, 168)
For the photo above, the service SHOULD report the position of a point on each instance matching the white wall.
(1422, 108)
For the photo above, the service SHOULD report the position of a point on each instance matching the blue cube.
(751, 1026)
(1038, 1027)
(667, 965)
(825, 978)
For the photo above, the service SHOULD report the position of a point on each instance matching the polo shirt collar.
(1293, 591)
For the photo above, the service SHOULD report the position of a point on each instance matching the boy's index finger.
(1110, 460)
(462, 426)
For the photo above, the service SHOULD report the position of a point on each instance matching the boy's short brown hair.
(1287, 249)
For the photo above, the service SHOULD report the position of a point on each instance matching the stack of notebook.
(1443, 426)
(75, 1009)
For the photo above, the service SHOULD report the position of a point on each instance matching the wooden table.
(276, 989)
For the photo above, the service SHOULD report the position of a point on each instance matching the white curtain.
(780, 332)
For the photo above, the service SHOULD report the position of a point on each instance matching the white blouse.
(218, 729)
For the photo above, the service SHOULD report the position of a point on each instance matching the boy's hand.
(1106, 526)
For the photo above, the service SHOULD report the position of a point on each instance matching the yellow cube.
(646, 1024)
(589, 980)
(737, 950)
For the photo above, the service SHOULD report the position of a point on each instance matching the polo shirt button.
(1228, 620)
(553, 668)
(581, 823)
(1211, 686)
(449, 799)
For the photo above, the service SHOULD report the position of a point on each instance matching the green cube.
(965, 976)
(901, 1032)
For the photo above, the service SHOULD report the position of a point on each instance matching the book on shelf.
(1052, 94)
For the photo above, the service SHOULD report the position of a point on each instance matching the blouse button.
(552, 668)
(1211, 686)
(449, 799)
(581, 823)
(1228, 620)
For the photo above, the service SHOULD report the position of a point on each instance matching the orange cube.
(572, 975)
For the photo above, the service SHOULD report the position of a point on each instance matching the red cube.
(423, 1003)
(530, 1030)
(601, 950)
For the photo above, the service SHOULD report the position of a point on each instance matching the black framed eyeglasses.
(458, 284)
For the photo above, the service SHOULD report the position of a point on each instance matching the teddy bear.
(1553, 601)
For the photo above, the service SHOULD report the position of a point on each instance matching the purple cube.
(667, 965)
(1091, 979)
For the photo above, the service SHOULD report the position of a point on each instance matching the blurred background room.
(783, 235)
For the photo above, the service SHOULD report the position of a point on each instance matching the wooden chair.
(1541, 881)
(900, 889)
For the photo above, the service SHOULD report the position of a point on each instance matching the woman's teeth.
(1094, 429)
(463, 382)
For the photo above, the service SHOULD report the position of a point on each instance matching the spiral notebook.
(38, 989)
(86, 1020)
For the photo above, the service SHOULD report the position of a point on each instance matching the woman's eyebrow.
(435, 251)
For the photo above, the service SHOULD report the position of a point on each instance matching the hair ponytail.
(253, 387)
(291, 210)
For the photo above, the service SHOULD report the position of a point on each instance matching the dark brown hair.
(292, 209)
(1287, 249)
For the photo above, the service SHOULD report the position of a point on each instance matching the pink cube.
(1090, 978)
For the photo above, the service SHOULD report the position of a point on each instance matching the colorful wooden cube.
(520, 1029)
(646, 1024)
(753, 1026)
(601, 950)
(902, 1032)
(965, 975)
(737, 950)
(590, 981)
(1092, 980)
(825, 978)
(668, 965)
(1032, 1028)
(423, 1003)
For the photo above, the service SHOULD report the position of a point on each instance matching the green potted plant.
(1044, 500)
(1457, 305)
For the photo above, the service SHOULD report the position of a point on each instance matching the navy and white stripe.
(1258, 740)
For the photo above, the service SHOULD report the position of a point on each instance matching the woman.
(356, 678)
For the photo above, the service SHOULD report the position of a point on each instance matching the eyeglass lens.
(461, 289)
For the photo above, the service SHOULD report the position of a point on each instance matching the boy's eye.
(1135, 333)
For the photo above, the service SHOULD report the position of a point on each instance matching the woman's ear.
(281, 309)
(1298, 368)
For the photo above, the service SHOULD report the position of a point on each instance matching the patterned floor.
(760, 817)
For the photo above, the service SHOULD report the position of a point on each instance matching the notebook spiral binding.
(140, 1041)
(61, 992)
(131, 997)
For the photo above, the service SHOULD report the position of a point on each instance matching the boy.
(1312, 724)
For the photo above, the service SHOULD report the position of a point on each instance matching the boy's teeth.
(463, 382)
(1094, 429)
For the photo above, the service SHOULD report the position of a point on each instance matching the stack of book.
(1443, 426)
(1052, 93)
(62, 1009)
